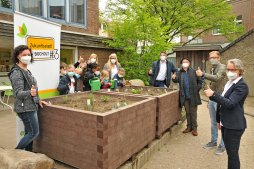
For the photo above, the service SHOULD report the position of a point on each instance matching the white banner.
(43, 37)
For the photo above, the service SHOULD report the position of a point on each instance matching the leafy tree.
(6, 4)
(153, 25)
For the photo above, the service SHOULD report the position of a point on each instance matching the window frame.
(42, 9)
(54, 19)
(85, 15)
(9, 10)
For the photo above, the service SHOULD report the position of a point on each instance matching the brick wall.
(6, 16)
(240, 7)
(243, 50)
(103, 54)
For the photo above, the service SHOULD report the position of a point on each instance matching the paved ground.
(184, 151)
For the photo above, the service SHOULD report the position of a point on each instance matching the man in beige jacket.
(218, 80)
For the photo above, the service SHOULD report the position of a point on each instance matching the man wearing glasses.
(160, 71)
(218, 81)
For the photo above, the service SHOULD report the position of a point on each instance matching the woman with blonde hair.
(112, 66)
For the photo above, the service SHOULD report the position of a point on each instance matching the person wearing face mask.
(160, 71)
(68, 84)
(94, 72)
(63, 67)
(190, 85)
(105, 79)
(112, 66)
(92, 59)
(230, 110)
(217, 82)
(25, 93)
(118, 78)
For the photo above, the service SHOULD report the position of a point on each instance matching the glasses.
(231, 70)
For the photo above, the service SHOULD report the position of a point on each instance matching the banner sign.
(43, 37)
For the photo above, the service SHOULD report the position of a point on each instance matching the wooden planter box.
(168, 110)
(90, 140)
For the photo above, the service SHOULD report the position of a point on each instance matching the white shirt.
(72, 90)
(163, 71)
(227, 86)
(113, 71)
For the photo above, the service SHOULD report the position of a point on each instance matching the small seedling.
(159, 149)
(105, 98)
(165, 91)
(65, 98)
(147, 94)
(118, 105)
(91, 98)
(138, 91)
(125, 103)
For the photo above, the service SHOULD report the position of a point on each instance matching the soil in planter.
(145, 91)
(100, 103)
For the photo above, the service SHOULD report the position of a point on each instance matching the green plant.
(105, 98)
(91, 98)
(65, 98)
(138, 91)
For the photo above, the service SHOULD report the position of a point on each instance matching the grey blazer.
(106, 68)
(22, 83)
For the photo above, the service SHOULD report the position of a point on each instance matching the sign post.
(43, 37)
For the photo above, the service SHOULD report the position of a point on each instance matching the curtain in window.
(77, 11)
(32, 7)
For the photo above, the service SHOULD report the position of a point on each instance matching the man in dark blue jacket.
(160, 72)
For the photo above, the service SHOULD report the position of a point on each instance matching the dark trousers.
(232, 140)
(191, 115)
(159, 84)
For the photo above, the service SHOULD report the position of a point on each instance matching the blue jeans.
(30, 120)
(159, 84)
(214, 128)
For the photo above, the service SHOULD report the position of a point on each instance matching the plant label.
(165, 91)
(126, 90)
(118, 105)
(125, 103)
(49, 103)
(141, 89)
(146, 93)
(88, 102)
(108, 90)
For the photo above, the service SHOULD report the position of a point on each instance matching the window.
(197, 40)
(239, 20)
(215, 31)
(56, 9)
(31, 7)
(78, 11)
(6, 5)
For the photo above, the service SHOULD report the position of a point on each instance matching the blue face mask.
(77, 75)
(70, 74)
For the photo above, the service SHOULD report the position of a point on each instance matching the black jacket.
(195, 83)
(64, 83)
(230, 109)
(156, 69)
(89, 75)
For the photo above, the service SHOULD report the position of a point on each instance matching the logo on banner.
(42, 47)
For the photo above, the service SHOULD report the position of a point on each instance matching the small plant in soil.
(65, 98)
(105, 98)
(138, 91)
(91, 98)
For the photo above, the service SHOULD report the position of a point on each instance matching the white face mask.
(97, 73)
(213, 61)
(113, 60)
(185, 64)
(231, 75)
(25, 59)
(120, 75)
(93, 60)
(64, 72)
(163, 57)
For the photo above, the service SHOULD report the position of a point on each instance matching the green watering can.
(95, 84)
(113, 83)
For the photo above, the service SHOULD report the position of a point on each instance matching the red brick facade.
(240, 7)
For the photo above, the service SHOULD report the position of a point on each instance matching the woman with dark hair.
(25, 93)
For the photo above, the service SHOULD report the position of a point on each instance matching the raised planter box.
(168, 111)
(90, 140)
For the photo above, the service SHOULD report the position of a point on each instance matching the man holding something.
(160, 71)
(217, 78)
